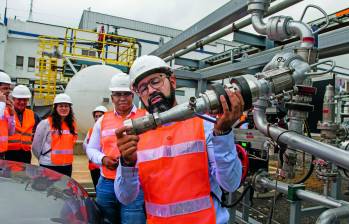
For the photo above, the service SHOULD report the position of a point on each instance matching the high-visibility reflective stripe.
(19, 141)
(14, 141)
(23, 133)
(3, 138)
(26, 142)
(170, 151)
(108, 132)
(179, 208)
(64, 132)
(61, 152)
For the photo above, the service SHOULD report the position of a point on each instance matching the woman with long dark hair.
(54, 139)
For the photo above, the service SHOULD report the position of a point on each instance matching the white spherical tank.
(90, 88)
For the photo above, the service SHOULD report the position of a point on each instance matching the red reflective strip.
(309, 39)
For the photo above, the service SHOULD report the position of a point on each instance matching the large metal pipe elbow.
(303, 31)
(259, 115)
(258, 23)
(257, 8)
(332, 215)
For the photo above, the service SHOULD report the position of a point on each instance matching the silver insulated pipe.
(297, 141)
(279, 28)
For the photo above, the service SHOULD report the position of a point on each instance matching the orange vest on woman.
(91, 165)
(62, 146)
(4, 131)
(22, 139)
(174, 174)
(109, 124)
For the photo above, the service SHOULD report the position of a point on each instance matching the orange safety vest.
(4, 131)
(62, 146)
(91, 165)
(109, 124)
(22, 139)
(174, 174)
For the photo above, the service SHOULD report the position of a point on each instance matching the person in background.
(54, 139)
(7, 111)
(94, 168)
(100, 41)
(102, 149)
(19, 144)
(181, 165)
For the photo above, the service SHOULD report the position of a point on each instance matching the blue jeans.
(112, 210)
(134, 213)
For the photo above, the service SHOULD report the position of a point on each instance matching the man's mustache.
(155, 94)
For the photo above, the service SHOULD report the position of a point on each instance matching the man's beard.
(164, 104)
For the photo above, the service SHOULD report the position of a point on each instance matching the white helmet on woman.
(62, 98)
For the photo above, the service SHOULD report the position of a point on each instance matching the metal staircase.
(47, 70)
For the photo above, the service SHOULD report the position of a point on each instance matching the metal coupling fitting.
(277, 28)
(258, 5)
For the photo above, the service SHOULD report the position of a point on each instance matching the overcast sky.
(180, 14)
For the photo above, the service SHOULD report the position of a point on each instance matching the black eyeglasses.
(120, 94)
(155, 83)
(98, 116)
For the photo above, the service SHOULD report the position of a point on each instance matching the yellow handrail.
(109, 48)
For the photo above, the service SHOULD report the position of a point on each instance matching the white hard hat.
(5, 78)
(120, 82)
(62, 98)
(147, 65)
(100, 109)
(21, 92)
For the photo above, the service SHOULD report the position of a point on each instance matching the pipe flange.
(277, 28)
(257, 185)
(257, 5)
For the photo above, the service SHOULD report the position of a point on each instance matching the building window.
(31, 64)
(19, 62)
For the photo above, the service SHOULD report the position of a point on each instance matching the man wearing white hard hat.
(54, 139)
(181, 165)
(102, 150)
(94, 168)
(7, 121)
(19, 144)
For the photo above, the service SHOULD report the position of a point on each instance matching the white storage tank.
(90, 88)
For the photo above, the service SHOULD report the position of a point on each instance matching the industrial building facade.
(19, 40)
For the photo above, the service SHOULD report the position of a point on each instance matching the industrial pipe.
(303, 31)
(243, 23)
(302, 194)
(297, 141)
(340, 209)
(331, 215)
(139, 48)
(257, 8)
(279, 27)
